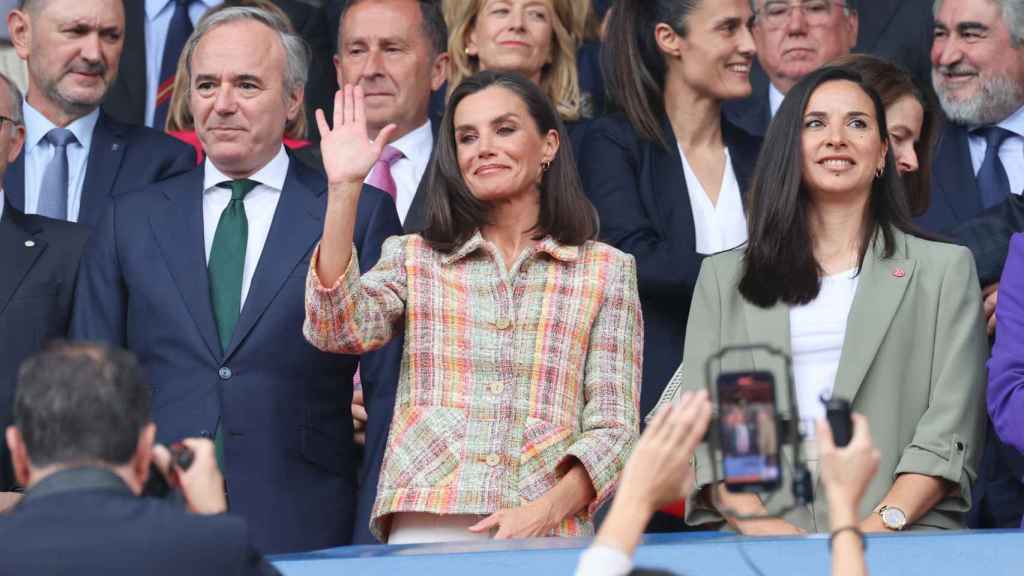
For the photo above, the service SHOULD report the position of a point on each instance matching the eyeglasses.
(6, 119)
(775, 13)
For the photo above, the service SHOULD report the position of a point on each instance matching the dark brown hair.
(893, 82)
(779, 264)
(454, 214)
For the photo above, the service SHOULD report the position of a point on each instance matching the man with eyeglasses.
(793, 38)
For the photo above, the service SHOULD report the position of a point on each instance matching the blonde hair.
(179, 117)
(559, 79)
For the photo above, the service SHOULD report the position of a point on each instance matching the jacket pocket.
(544, 446)
(424, 447)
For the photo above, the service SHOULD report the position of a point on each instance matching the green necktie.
(226, 265)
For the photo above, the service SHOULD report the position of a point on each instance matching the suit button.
(502, 323)
(492, 460)
(205, 434)
(959, 446)
(224, 373)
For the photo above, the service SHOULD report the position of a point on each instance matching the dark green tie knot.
(239, 188)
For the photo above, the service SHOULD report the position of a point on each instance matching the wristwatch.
(893, 517)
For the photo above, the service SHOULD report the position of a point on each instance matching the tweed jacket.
(913, 362)
(507, 373)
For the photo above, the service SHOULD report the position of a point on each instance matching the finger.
(162, 459)
(321, 124)
(991, 288)
(699, 424)
(357, 397)
(681, 419)
(826, 444)
(487, 523)
(339, 107)
(359, 413)
(991, 325)
(350, 104)
(359, 107)
(861, 431)
(385, 135)
(359, 438)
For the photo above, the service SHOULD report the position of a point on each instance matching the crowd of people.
(432, 292)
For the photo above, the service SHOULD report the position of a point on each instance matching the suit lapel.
(769, 326)
(178, 228)
(18, 258)
(14, 182)
(105, 156)
(955, 174)
(295, 229)
(880, 290)
(667, 171)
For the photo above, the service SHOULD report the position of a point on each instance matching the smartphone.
(748, 431)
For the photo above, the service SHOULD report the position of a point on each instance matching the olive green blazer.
(913, 362)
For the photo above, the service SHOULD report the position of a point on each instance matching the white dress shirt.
(720, 226)
(817, 331)
(1011, 153)
(775, 98)
(408, 170)
(39, 152)
(260, 205)
(158, 20)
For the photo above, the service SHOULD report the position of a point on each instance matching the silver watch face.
(894, 518)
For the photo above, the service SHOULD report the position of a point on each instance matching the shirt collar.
(775, 98)
(38, 126)
(417, 143)
(1014, 122)
(155, 7)
(272, 174)
(547, 245)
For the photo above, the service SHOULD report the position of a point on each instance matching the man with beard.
(76, 158)
(978, 73)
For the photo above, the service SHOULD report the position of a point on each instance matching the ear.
(439, 71)
(670, 43)
(294, 102)
(472, 48)
(885, 152)
(552, 141)
(17, 141)
(851, 28)
(19, 456)
(20, 25)
(143, 455)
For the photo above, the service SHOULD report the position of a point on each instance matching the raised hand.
(348, 153)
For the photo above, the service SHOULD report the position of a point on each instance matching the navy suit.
(122, 158)
(86, 522)
(283, 406)
(955, 196)
(753, 114)
(639, 190)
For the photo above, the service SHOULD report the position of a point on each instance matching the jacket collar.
(546, 245)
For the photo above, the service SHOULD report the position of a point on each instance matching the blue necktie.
(177, 35)
(993, 183)
(53, 192)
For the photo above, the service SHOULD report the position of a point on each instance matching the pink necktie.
(381, 177)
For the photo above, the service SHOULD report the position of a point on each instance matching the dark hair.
(433, 25)
(79, 403)
(893, 82)
(454, 214)
(634, 67)
(779, 262)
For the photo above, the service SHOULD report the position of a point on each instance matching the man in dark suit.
(82, 443)
(76, 158)
(978, 74)
(398, 88)
(40, 262)
(793, 38)
(203, 276)
(899, 30)
(151, 31)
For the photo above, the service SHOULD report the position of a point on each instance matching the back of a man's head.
(79, 404)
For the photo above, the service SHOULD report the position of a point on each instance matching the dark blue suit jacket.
(639, 190)
(99, 528)
(284, 406)
(752, 114)
(123, 158)
(955, 195)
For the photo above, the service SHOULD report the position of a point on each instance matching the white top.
(39, 152)
(775, 98)
(158, 20)
(260, 205)
(408, 170)
(1, 204)
(1011, 153)
(720, 226)
(818, 330)
(599, 560)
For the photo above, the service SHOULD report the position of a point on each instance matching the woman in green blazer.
(835, 275)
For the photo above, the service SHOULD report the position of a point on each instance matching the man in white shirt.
(76, 158)
(203, 276)
(397, 51)
(793, 38)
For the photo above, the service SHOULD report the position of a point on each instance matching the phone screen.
(748, 431)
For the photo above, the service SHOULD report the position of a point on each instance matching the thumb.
(486, 524)
(384, 137)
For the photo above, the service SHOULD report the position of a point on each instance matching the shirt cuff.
(599, 560)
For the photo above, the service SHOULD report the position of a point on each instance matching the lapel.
(105, 156)
(178, 227)
(743, 150)
(295, 229)
(880, 291)
(874, 18)
(954, 172)
(18, 258)
(768, 326)
(667, 172)
(14, 182)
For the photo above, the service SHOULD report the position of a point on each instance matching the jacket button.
(959, 446)
(497, 388)
(492, 460)
(224, 373)
(205, 434)
(502, 323)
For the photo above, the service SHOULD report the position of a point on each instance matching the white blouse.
(720, 226)
(817, 330)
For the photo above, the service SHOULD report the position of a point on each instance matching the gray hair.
(14, 94)
(848, 6)
(297, 53)
(1013, 17)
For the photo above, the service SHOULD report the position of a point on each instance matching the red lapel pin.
(898, 272)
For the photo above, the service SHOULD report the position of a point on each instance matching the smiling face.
(716, 53)
(905, 118)
(499, 147)
(513, 35)
(238, 96)
(977, 70)
(841, 141)
(73, 48)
